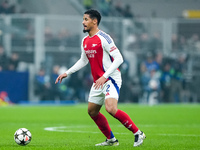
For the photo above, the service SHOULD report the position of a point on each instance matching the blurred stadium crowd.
(159, 77)
(9, 63)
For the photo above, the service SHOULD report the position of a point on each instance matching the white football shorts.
(110, 90)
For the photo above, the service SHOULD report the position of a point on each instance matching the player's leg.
(111, 101)
(111, 108)
(99, 119)
(102, 123)
(93, 109)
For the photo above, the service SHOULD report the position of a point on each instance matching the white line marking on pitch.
(64, 129)
(72, 129)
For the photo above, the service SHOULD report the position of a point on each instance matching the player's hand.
(100, 82)
(60, 77)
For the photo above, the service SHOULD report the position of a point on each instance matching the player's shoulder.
(105, 36)
(85, 37)
(102, 33)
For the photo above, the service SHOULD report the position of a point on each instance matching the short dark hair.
(94, 14)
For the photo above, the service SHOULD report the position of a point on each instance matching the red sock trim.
(103, 125)
(126, 121)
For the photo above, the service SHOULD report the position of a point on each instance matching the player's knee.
(92, 113)
(111, 110)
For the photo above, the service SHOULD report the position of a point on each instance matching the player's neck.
(93, 32)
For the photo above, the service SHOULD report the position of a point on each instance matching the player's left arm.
(118, 60)
(113, 51)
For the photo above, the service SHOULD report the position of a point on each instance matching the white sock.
(113, 139)
(138, 132)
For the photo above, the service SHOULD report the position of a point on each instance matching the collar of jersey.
(94, 34)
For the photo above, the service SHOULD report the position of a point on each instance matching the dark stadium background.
(43, 38)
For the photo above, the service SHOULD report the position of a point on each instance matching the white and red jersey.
(102, 54)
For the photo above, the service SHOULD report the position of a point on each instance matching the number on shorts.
(108, 86)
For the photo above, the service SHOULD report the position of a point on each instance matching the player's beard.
(87, 30)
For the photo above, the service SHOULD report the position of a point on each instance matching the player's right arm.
(60, 77)
(77, 66)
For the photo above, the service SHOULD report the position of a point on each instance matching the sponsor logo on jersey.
(90, 53)
(85, 46)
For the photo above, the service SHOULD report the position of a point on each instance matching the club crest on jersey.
(93, 45)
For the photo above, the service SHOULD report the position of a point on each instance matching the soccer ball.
(22, 136)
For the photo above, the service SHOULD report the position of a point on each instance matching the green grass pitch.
(167, 127)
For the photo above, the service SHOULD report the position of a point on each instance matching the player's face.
(88, 23)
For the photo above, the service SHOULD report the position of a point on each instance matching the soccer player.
(104, 57)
